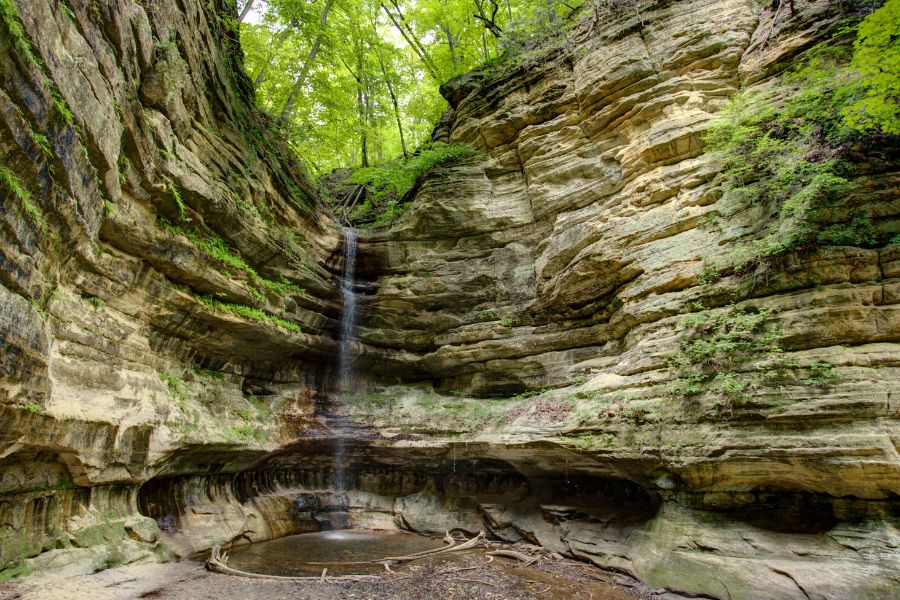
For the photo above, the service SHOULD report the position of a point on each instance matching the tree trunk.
(390, 88)
(489, 22)
(361, 104)
(301, 79)
(278, 42)
(246, 11)
(551, 12)
(451, 41)
(412, 41)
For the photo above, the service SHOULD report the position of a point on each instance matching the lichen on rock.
(550, 347)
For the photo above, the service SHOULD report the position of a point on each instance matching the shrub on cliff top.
(387, 185)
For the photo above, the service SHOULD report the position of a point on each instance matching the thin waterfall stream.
(348, 329)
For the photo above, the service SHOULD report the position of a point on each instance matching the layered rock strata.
(559, 267)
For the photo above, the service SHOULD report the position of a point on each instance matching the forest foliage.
(354, 83)
(804, 145)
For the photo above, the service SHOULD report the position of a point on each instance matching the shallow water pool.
(292, 555)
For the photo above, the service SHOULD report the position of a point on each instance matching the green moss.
(387, 185)
(177, 386)
(487, 315)
(216, 248)
(734, 352)
(63, 113)
(179, 202)
(794, 157)
(43, 143)
(821, 374)
(508, 321)
(123, 165)
(591, 441)
(262, 408)
(15, 547)
(281, 287)
(715, 347)
(102, 534)
(11, 182)
(217, 375)
(10, 18)
(246, 433)
(250, 313)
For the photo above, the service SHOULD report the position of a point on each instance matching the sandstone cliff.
(514, 362)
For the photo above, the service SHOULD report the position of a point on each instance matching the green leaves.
(876, 58)
(387, 185)
(790, 150)
(372, 87)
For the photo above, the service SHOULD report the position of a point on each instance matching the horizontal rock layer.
(559, 268)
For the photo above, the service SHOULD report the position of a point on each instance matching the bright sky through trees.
(355, 82)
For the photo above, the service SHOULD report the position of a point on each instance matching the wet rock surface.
(515, 327)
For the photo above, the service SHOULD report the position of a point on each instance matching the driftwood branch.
(217, 564)
(526, 559)
(453, 547)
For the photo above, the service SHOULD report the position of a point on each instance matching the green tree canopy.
(355, 82)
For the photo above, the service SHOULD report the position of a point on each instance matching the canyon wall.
(162, 368)
(165, 277)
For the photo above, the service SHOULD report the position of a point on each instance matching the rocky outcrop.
(517, 321)
(164, 281)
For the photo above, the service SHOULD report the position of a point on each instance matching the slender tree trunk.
(301, 79)
(551, 12)
(279, 40)
(451, 41)
(245, 11)
(387, 81)
(412, 41)
(489, 22)
(361, 105)
(487, 56)
(363, 138)
(390, 87)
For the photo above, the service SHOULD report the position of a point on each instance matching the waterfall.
(348, 311)
(348, 328)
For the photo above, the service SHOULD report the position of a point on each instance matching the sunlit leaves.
(876, 57)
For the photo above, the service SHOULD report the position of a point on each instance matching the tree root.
(475, 541)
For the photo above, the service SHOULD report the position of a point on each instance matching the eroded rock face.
(132, 125)
(558, 268)
(570, 256)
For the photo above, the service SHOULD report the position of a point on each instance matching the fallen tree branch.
(478, 539)
(456, 547)
(217, 560)
(527, 560)
(480, 581)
